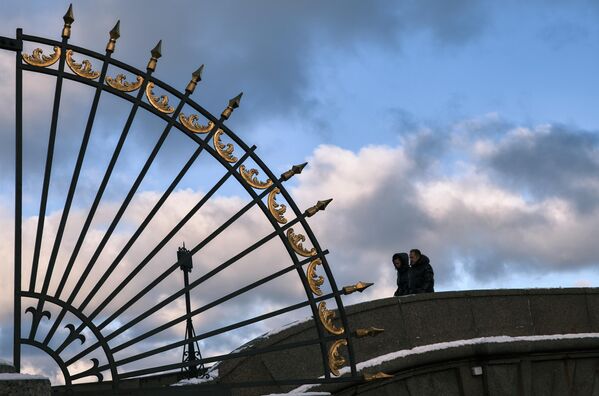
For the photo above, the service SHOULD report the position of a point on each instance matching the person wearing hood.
(402, 265)
(421, 278)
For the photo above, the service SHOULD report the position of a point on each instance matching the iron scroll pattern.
(97, 321)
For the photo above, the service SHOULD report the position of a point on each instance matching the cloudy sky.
(468, 129)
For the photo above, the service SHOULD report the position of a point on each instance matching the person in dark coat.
(402, 265)
(421, 278)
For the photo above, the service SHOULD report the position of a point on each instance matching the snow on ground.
(5, 363)
(447, 345)
(20, 377)
(212, 375)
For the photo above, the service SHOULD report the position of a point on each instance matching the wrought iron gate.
(83, 310)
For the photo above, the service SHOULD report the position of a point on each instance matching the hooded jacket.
(421, 278)
(402, 275)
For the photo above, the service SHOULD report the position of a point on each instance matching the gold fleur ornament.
(326, 318)
(192, 125)
(314, 280)
(250, 176)
(225, 151)
(336, 360)
(37, 57)
(120, 84)
(159, 103)
(276, 210)
(83, 69)
(296, 244)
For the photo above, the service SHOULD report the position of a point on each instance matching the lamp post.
(191, 350)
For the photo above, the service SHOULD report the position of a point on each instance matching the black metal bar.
(159, 246)
(97, 199)
(211, 305)
(230, 327)
(195, 283)
(10, 44)
(174, 296)
(38, 313)
(97, 334)
(102, 188)
(218, 358)
(125, 203)
(141, 227)
(55, 356)
(73, 185)
(18, 204)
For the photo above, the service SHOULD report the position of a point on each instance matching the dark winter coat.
(402, 275)
(421, 278)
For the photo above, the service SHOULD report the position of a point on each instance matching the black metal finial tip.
(115, 33)
(323, 204)
(234, 103)
(198, 73)
(68, 17)
(297, 169)
(157, 50)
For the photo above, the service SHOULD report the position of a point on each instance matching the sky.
(467, 129)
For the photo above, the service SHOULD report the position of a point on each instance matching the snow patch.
(446, 345)
(212, 375)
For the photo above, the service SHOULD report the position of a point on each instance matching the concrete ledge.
(13, 384)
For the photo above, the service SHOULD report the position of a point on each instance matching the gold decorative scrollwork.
(314, 280)
(296, 244)
(276, 210)
(225, 151)
(336, 360)
(326, 317)
(159, 103)
(119, 83)
(250, 177)
(83, 69)
(37, 57)
(192, 124)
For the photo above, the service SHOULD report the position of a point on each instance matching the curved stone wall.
(421, 320)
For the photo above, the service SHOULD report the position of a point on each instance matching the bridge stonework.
(449, 343)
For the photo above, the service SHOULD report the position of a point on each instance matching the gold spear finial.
(377, 376)
(295, 170)
(233, 104)
(320, 205)
(156, 53)
(358, 287)
(68, 20)
(115, 33)
(195, 77)
(371, 331)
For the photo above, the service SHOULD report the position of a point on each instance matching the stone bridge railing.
(434, 319)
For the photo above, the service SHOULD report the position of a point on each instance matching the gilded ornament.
(314, 280)
(159, 103)
(336, 360)
(120, 84)
(233, 104)
(250, 177)
(371, 331)
(326, 318)
(83, 69)
(37, 57)
(296, 244)
(320, 205)
(191, 123)
(276, 210)
(295, 170)
(377, 376)
(225, 151)
(358, 287)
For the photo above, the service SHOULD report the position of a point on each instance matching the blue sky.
(467, 129)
